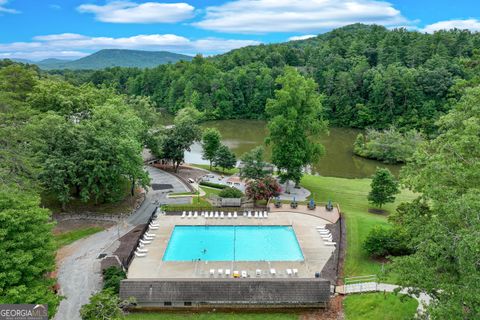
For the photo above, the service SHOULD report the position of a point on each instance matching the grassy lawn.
(369, 306)
(210, 190)
(181, 193)
(228, 172)
(212, 316)
(66, 238)
(351, 194)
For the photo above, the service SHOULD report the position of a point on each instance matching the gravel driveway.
(79, 272)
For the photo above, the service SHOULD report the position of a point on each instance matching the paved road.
(79, 273)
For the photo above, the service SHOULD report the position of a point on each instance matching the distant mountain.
(51, 63)
(115, 58)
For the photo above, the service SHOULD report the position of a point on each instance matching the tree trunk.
(132, 190)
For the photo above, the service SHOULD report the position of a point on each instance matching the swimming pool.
(233, 243)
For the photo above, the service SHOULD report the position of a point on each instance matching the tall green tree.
(384, 187)
(295, 122)
(211, 141)
(27, 249)
(181, 136)
(225, 158)
(443, 224)
(253, 165)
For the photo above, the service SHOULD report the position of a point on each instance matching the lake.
(339, 160)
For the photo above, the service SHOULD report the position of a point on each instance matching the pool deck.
(315, 252)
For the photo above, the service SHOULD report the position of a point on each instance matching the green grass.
(370, 306)
(69, 237)
(211, 316)
(227, 172)
(211, 191)
(351, 194)
(181, 193)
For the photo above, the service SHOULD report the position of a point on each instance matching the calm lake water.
(339, 160)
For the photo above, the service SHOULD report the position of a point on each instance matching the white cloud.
(470, 24)
(132, 12)
(306, 36)
(261, 16)
(3, 9)
(75, 45)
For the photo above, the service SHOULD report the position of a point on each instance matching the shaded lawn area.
(387, 306)
(227, 172)
(124, 205)
(351, 194)
(66, 238)
(212, 316)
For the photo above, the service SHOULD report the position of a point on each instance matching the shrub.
(102, 305)
(230, 192)
(112, 277)
(382, 242)
(212, 185)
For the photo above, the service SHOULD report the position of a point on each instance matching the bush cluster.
(230, 192)
(213, 185)
(382, 242)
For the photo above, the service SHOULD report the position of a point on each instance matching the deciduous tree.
(295, 124)
(384, 187)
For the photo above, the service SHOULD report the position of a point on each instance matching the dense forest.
(370, 77)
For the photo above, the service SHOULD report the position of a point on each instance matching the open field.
(370, 306)
(351, 194)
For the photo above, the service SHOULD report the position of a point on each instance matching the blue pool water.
(233, 243)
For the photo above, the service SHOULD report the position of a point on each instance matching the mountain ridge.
(106, 58)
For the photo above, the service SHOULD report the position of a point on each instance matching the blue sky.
(69, 29)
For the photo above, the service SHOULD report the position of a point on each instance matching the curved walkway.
(423, 299)
(79, 272)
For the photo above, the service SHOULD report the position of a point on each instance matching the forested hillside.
(370, 76)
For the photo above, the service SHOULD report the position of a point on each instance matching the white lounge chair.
(195, 214)
(211, 214)
(152, 228)
(244, 274)
(145, 241)
(330, 243)
(321, 227)
(289, 272)
(140, 254)
(256, 214)
(212, 272)
(142, 250)
(260, 215)
(249, 214)
(258, 272)
(325, 236)
(220, 272)
(295, 272)
(221, 215)
(189, 214)
(152, 235)
(229, 215)
(145, 238)
(244, 213)
(265, 214)
(323, 231)
(273, 272)
(227, 272)
(184, 214)
(235, 214)
(154, 223)
(216, 214)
